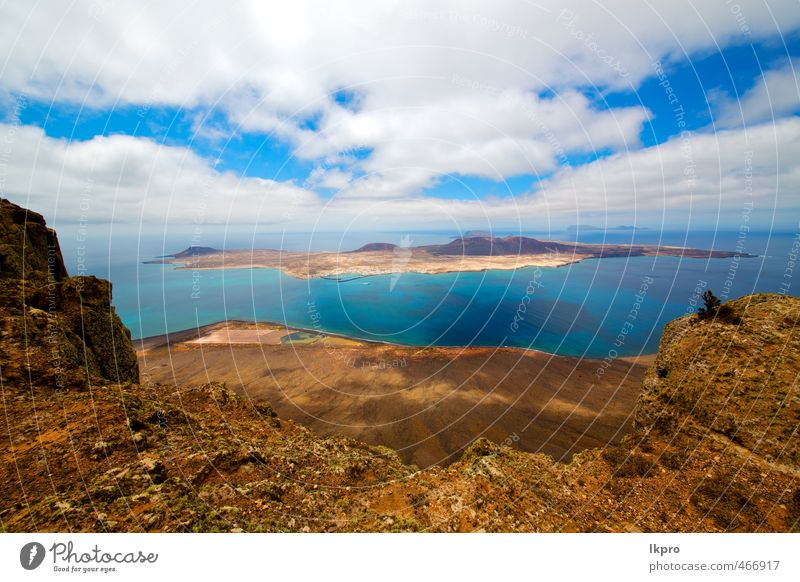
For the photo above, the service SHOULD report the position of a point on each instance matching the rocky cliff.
(56, 330)
(715, 447)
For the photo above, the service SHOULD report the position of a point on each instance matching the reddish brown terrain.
(427, 404)
(88, 445)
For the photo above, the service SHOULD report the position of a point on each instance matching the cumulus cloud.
(713, 174)
(290, 56)
(691, 179)
(134, 180)
(333, 178)
(124, 179)
(384, 98)
(480, 131)
(775, 94)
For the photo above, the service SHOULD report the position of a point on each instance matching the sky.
(508, 115)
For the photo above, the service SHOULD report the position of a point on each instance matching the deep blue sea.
(577, 310)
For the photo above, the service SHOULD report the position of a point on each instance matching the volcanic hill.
(87, 445)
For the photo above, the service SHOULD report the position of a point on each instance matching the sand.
(227, 336)
(473, 254)
(309, 265)
(427, 404)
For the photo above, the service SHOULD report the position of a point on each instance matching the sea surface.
(595, 308)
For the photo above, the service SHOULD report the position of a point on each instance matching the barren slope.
(715, 447)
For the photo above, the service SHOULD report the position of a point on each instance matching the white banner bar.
(379, 557)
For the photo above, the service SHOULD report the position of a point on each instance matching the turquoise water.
(591, 308)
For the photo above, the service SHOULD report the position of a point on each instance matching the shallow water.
(593, 308)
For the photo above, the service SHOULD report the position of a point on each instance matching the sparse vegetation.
(714, 309)
(710, 307)
(130, 457)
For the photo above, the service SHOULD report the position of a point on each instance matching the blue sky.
(372, 116)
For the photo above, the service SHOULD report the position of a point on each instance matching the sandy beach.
(309, 265)
(460, 255)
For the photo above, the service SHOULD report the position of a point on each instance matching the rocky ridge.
(715, 447)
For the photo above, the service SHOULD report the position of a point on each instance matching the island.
(475, 253)
(591, 227)
(256, 426)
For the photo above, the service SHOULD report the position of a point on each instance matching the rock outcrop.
(55, 330)
(715, 447)
(737, 382)
(28, 249)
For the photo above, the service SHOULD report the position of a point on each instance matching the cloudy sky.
(392, 115)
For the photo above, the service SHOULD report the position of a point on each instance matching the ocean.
(596, 308)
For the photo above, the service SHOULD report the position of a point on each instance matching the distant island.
(473, 233)
(585, 227)
(477, 253)
(301, 431)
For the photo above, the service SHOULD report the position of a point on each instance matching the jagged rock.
(715, 446)
(28, 249)
(155, 469)
(732, 379)
(57, 330)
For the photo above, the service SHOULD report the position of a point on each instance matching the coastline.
(427, 404)
(187, 335)
(476, 254)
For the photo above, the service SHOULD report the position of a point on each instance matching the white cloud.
(486, 132)
(775, 94)
(333, 178)
(125, 179)
(137, 181)
(710, 174)
(271, 66)
(291, 55)
(698, 180)
(451, 88)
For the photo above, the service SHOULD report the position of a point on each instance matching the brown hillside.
(715, 448)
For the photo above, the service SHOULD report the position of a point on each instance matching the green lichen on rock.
(714, 449)
(57, 330)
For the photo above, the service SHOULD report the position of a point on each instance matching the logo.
(402, 255)
(31, 555)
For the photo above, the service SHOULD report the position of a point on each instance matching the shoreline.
(190, 334)
(426, 404)
(353, 276)
(465, 255)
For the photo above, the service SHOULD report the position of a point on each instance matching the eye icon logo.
(31, 555)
